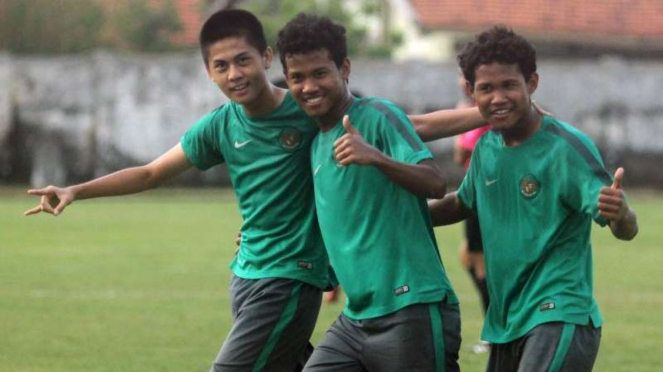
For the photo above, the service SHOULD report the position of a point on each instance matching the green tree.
(275, 13)
(140, 26)
(46, 26)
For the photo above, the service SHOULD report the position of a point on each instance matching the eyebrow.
(242, 54)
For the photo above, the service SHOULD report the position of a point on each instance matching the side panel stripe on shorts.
(563, 347)
(438, 335)
(286, 317)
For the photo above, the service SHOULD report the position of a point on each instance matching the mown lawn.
(140, 284)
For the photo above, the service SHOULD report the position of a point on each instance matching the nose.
(499, 97)
(234, 72)
(309, 86)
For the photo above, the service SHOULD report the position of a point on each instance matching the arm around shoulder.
(446, 123)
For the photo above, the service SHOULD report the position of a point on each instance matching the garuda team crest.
(529, 186)
(290, 138)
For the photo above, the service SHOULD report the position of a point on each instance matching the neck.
(329, 121)
(523, 129)
(266, 102)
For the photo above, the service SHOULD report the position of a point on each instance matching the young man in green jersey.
(536, 184)
(264, 139)
(371, 183)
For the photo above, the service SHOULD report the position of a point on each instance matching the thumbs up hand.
(611, 199)
(351, 148)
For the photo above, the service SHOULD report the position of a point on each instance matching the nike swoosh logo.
(239, 145)
(317, 169)
(488, 183)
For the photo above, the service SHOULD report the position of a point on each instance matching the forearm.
(124, 182)
(128, 181)
(626, 228)
(423, 179)
(136, 179)
(448, 210)
(446, 123)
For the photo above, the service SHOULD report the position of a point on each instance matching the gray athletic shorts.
(422, 337)
(273, 320)
(549, 347)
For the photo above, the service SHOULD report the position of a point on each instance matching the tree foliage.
(70, 26)
(274, 14)
(140, 26)
(46, 26)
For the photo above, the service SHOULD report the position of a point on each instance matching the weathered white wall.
(5, 113)
(75, 117)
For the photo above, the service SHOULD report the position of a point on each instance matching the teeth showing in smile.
(500, 112)
(313, 100)
(239, 87)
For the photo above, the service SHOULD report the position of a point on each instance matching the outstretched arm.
(423, 179)
(613, 206)
(127, 181)
(448, 210)
(446, 123)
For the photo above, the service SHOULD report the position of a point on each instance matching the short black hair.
(497, 44)
(232, 23)
(308, 33)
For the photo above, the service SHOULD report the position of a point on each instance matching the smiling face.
(503, 95)
(239, 70)
(317, 84)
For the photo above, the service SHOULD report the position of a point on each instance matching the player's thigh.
(504, 357)
(583, 350)
(422, 337)
(293, 346)
(556, 347)
(340, 350)
(273, 323)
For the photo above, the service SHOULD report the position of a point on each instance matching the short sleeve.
(467, 190)
(585, 177)
(201, 143)
(395, 135)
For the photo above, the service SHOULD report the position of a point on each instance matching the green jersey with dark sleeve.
(536, 202)
(268, 159)
(378, 235)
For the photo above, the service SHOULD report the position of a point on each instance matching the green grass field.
(140, 284)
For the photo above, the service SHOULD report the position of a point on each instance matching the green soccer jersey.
(269, 165)
(378, 235)
(535, 203)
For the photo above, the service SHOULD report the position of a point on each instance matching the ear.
(345, 69)
(533, 83)
(268, 56)
(469, 90)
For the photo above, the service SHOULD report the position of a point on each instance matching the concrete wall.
(5, 115)
(67, 119)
